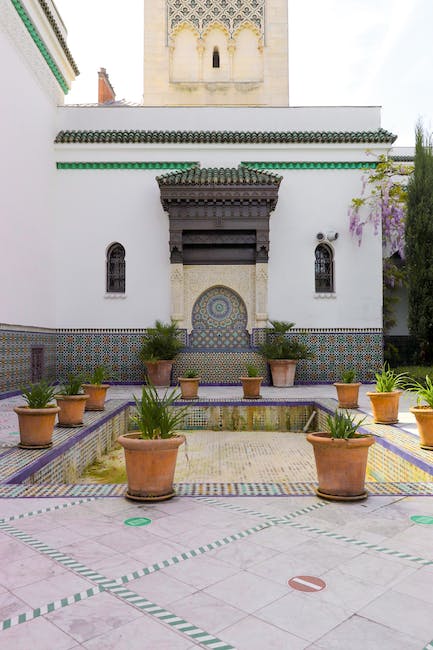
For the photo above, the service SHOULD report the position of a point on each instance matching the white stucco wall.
(211, 118)
(27, 130)
(98, 207)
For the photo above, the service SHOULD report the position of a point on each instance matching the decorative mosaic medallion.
(219, 319)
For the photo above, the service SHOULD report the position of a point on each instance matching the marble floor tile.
(161, 588)
(92, 617)
(209, 613)
(247, 591)
(11, 605)
(201, 572)
(358, 633)
(252, 633)
(243, 553)
(403, 613)
(28, 570)
(308, 618)
(378, 568)
(37, 634)
(419, 584)
(51, 589)
(140, 634)
(347, 591)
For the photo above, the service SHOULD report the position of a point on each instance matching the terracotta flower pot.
(251, 386)
(283, 372)
(424, 420)
(71, 409)
(159, 372)
(150, 466)
(189, 387)
(385, 406)
(36, 426)
(347, 395)
(341, 466)
(97, 394)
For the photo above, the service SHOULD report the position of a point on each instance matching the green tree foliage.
(419, 245)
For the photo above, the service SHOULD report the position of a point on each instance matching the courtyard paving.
(214, 572)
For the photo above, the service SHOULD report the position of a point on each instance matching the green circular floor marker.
(138, 521)
(422, 519)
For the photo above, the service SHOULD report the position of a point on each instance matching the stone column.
(231, 47)
(177, 293)
(200, 50)
(261, 295)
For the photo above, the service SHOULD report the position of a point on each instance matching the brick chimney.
(105, 89)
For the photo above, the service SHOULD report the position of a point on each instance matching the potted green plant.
(385, 399)
(96, 389)
(160, 347)
(341, 455)
(189, 384)
(282, 353)
(72, 402)
(151, 450)
(251, 383)
(37, 417)
(424, 412)
(348, 390)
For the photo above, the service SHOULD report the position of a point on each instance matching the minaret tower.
(216, 53)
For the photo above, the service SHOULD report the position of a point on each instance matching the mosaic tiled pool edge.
(97, 490)
(72, 450)
(406, 471)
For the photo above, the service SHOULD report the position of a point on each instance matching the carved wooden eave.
(224, 211)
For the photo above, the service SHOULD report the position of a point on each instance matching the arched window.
(116, 269)
(216, 58)
(324, 269)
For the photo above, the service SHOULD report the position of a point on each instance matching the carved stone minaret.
(216, 53)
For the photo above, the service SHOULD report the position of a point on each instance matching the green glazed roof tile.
(224, 137)
(219, 176)
(58, 33)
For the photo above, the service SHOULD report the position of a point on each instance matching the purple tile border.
(51, 454)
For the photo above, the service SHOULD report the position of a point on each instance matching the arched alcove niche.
(219, 319)
(247, 55)
(215, 39)
(185, 54)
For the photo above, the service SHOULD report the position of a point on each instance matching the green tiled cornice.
(219, 176)
(311, 165)
(40, 45)
(58, 33)
(126, 165)
(225, 137)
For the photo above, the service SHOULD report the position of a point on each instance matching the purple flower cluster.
(382, 205)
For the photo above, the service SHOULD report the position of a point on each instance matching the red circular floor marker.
(306, 583)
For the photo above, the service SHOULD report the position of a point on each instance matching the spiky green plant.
(252, 371)
(387, 380)
(190, 374)
(98, 376)
(156, 417)
(343, 425)
(72, 386)
(348, 376)
(161, 342)
(39, 395)
(278, 346)
(424, 391)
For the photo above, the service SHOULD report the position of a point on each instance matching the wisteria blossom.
(383, 195)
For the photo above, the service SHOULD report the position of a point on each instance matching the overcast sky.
(341, 52)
